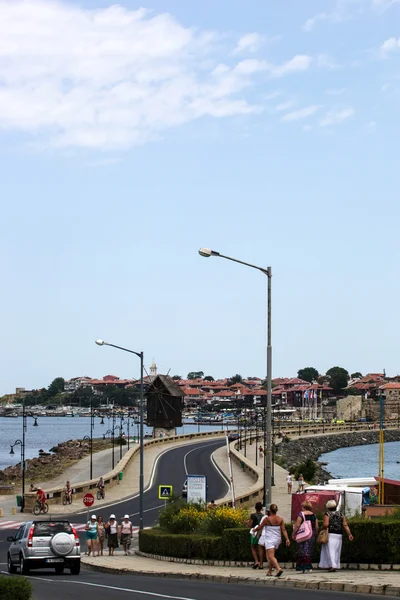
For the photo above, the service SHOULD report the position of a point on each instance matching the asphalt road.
(172, 468)
(101, 586)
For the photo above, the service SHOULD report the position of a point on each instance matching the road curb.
(335, 586)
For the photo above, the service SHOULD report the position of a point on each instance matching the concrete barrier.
(54, 495)
(253, 495)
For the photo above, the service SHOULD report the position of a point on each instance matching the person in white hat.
(112, 534)
(125, 532)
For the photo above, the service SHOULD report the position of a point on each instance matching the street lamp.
(90, 440)
(268, 478)
(21, 443)
(141, 450)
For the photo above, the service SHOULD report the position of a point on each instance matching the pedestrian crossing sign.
(164, 492)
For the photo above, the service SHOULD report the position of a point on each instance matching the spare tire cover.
(62, 544)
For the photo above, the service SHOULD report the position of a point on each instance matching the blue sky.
(267, 131)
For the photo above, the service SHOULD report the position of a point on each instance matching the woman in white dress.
(273, 528)
(334, 522)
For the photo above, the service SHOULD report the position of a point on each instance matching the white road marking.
(221, 473)
(153, 472)
(119, 589)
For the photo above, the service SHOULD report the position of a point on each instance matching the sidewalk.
(360, 581)
(128, 487)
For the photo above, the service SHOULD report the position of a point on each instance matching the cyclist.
(68, 491)
(41, 497)
(100, 485)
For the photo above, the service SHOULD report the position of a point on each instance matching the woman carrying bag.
(305, 531)
(334, 523)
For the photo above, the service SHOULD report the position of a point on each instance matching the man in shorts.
(255, 520)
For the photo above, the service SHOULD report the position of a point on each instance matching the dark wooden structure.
(164, 403)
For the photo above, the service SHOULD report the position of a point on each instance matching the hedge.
(376, 542)
(15, 588)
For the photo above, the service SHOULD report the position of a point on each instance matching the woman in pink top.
(125, 532)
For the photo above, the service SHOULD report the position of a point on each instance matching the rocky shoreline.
(290, 454)
(50, 464)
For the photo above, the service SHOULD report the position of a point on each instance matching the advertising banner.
(197, 488)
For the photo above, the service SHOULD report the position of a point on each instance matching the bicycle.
(40, 508)
(101, 494)
(67, 498)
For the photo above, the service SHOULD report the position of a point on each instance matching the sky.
(132, 135)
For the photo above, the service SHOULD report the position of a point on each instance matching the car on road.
(184, 489)
(232, 437)
(44, 545)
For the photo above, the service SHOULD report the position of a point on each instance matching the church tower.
(153, 369)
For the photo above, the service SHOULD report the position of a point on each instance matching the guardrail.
(256, 491)
(54, 495)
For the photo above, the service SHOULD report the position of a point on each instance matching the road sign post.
(88, 501)
(164, 492)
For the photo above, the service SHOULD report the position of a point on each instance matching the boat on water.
(12, 415)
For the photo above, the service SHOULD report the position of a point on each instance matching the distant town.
(335, 395)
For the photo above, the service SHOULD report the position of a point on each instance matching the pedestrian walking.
(101, 534)
(111, 528)
(212, 505)
(305, 531)
(273, 528)
(255, 520)
(300, 483)
(289, 481)
(91, 535)
(125, 534)
(334, 522)
(260, 451)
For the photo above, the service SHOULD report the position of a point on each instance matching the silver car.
(44, 544)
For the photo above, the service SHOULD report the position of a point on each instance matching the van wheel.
(11, 568)
(23, 567)
(76, 568)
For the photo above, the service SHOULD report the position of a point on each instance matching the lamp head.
(100, 342)
(12, 450)
(205, 252)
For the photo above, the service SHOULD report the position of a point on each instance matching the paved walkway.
(129, 486)
(361, 581)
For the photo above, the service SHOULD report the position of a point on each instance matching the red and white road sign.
(88, 500)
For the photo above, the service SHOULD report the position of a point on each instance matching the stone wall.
(293, 453)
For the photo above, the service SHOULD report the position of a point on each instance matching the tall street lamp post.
(141, 455)
(90, 440)
(111, 432)
(21, 443)
(268, 479)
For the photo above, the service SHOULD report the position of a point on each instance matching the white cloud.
(390, 45)
(251, 42)
(384, 4)
(285, 106)
(113, 77)
(343, 10)
(300, 62)
(302, 113)
(335, 117)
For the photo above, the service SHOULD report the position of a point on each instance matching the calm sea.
(53, 430)
(362, 461)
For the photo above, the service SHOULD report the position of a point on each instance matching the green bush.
(15, 588)
(307, 468)
(375, 542)
(155, 541)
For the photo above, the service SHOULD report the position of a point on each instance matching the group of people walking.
(267, 531)
(98, 531)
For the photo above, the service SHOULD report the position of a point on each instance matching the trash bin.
(120, 475)
(19, 501)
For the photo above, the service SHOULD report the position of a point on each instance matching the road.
(129, 587)
(171, 468)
